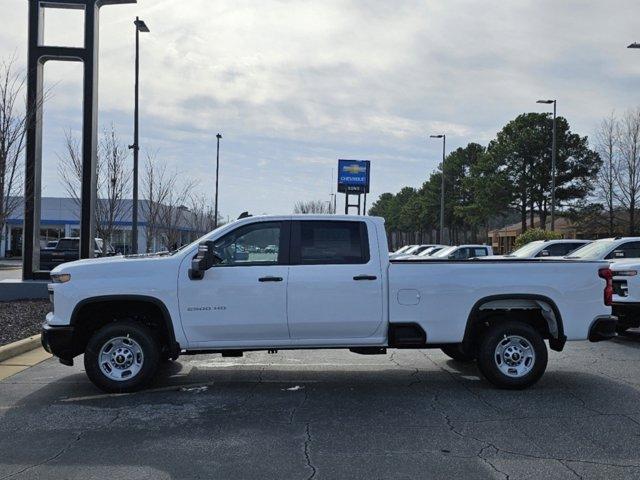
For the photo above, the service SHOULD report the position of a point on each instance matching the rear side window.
(333, 243)
(630, 249)
(479, 252)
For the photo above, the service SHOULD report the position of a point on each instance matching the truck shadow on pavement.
(209, 418)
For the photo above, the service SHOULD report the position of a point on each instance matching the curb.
(17, 348)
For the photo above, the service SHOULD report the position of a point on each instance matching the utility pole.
(444, 147)
(218, 137)
(140, 27)
(553, 164)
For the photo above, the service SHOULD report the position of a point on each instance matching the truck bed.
(440, 294)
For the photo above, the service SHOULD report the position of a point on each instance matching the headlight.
(60, 277)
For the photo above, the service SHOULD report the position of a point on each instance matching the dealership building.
(60, 217)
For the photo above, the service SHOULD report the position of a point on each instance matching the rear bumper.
(628, 314)
(603, 328)
(58, 341)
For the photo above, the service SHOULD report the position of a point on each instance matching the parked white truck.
(328, 284)
(626, 294)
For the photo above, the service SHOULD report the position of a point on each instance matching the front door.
(335, 282)
(243, 299)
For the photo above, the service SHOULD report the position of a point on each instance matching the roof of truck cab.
(314, 216)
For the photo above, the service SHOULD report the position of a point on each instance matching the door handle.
(270, 279)
(365, 277)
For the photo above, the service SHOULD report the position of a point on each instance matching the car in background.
(412, 250)
(68, 250)
(456, 252)
(271, 249)
(432, 250)
(50, 245)
(401, 250)
(546, 248)
(611, 249)
(424, 251)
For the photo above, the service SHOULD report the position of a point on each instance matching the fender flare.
(556, 342)
(166, 316)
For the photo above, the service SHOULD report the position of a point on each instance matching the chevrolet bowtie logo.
(355, 169)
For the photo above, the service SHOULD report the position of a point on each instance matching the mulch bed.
(21, 319)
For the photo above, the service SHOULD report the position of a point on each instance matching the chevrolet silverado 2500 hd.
(311, 281)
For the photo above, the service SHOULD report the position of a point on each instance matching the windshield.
(527, 250)
(593, 251)
(429, 251)
(445, 252)
(403, 249)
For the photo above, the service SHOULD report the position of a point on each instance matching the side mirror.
(206, 258)
(545, 253)
(618, 254)
(452, 256)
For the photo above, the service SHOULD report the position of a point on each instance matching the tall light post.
(140, 27)
(444, 143)
(553, 164)
(215, 221)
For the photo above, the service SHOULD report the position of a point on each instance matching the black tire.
(142, 336)
(487, 355)
(458, 353)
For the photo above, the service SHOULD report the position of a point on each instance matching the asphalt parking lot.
(329, 414)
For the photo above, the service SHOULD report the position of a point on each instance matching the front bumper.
(603, 328)
(59, 341)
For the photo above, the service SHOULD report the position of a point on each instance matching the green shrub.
(535, 234)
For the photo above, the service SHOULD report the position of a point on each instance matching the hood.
(119, 264)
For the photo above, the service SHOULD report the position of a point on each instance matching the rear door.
(335, 281)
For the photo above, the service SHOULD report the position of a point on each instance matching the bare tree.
(174, 213)
(607, 145)
(313, 206)
(13, 122)
(202, 215)
(113, 185)
(113, 182)
(627, 172)
(156, 186)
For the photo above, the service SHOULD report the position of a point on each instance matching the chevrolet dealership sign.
(353, 176)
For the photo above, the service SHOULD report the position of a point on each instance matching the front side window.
(324, 243)
(255, 244)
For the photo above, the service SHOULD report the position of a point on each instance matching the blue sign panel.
(353, 176)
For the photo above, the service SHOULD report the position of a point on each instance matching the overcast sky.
(295, 85)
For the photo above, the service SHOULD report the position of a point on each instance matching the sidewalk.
(10, 263)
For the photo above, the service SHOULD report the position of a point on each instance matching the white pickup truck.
(327, 284)
(626, 294)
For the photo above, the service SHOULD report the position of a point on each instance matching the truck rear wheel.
(458, 353)
(122, 357)
(512, 355)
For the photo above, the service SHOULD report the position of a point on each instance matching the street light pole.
(444, 146)
(218, 137)
(553, 164)
(140, 27)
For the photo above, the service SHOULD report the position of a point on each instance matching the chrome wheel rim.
(120, 358)
(514, 356)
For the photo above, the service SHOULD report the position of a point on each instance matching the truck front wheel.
(122, 357)
(512, 355)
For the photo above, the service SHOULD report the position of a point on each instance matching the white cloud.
(295, 85)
